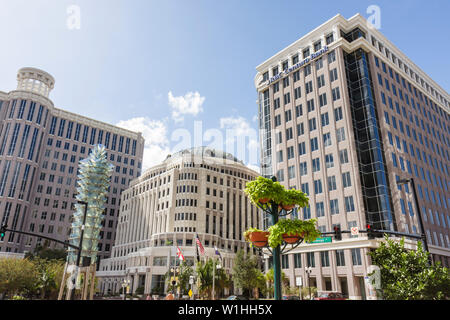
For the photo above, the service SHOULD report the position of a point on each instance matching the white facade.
(196, 191)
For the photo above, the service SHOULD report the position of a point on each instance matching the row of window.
(104, 138)
(306, 52)
(23, 151)
(410, 100)
(303, 166)
(397, 61)
(405, 128)
(324, 258)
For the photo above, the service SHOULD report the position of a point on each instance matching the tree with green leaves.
(17, 276)
(50, 274)
(407, 274)
(183, 275)
(269, 279)
(246, 273)
(205, 276)
(47, 253)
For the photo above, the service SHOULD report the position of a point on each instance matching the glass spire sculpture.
(94, 174)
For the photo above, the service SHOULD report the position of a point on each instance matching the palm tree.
(205, 276)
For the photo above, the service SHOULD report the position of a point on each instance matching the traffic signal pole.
(5, 229)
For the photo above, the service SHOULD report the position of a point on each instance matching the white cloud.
(191, 104)
(254, 167)
(154, 132)
(240, 125)
(241, 139)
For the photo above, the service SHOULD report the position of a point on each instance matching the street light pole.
(214, 278)
(80, 245)
(308, 271)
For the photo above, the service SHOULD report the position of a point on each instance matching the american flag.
(179, 254)
(202, 250)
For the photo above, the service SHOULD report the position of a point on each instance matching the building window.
(324, 259)
(334, 206)
(340, 258)
(356, 256)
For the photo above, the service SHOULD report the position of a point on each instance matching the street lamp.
(214, 277)
(174, 271)
(419, 214)
(308, 270)
(125, 284)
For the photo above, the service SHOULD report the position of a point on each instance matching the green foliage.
(264, 188)
(183, 274)
(183, 277)
(305, 292)
(28, 277)
(246, 273)
(294, 197)
(17, 276)
(406, 274)
(47, 253)
(269, 277)
(205, 277)
(139, 290)
(305, 228)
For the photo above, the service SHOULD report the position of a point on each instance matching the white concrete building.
(195, 191)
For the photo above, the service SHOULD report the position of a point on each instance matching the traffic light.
(370, 233)
(2, 231)
(337, 233)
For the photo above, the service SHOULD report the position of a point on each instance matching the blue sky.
(134, 62)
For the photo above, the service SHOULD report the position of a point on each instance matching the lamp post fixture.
(125, 284)
(419, 214)
(218, 266)
(308, 270)
(174, 271)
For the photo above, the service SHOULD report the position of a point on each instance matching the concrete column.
(148, 281)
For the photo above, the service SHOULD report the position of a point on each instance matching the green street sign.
(322, 240)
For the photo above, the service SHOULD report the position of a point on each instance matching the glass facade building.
(343, 116)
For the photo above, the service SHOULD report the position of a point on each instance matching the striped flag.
(202, 250)
(179, 254)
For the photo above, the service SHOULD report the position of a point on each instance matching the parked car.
(236, 298)
(330, 296)
(291, 298)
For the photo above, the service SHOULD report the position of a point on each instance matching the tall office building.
(344, 114)
(195, 191)
(40, 148)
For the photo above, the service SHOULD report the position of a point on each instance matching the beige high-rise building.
(40, 148)
(344, 114)
(197, 191)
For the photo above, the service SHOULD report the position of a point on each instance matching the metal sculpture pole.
(93, 182)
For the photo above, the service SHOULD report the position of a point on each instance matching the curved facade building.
(40, 148)
(195, 191)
